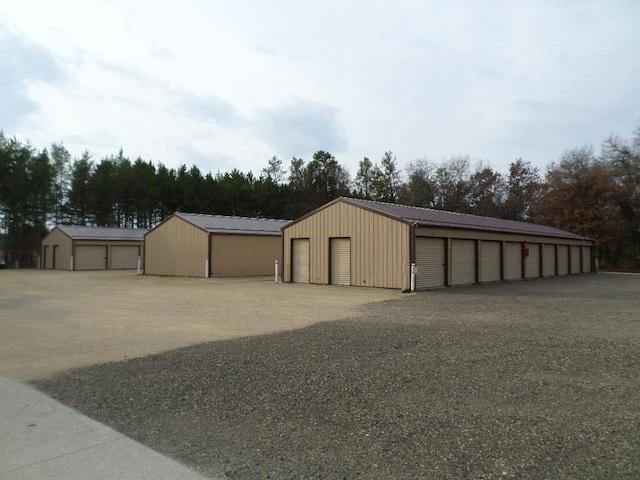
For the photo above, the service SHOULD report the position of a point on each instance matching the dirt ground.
(51, 321)
(532, 379)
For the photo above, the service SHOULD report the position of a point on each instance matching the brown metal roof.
(77, 232)
(235, 225)
(437, 218)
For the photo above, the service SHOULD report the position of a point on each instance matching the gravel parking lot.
(536, 379)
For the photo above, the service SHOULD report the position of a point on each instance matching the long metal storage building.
(367, 243)
(72, 247)
(198, 245)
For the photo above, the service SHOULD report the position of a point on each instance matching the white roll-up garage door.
(563, 260)
(300, 260)
(533, 260)
(430, 260)
(548, 260)
(575, 258)
(586, 259)
(513, 260)
(340, 268)
(124, 257)
(463, 262)
(490, 255)
(91, 257)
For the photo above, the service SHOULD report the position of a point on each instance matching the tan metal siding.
(244, 255)
(90, 257)
(490, 260)
(548, 260)
(586, 259)
(63, 250)
(340, 249)
(501, 236)
(300, 256)
(532, 262)
(463, 262)
(574, 264)
(513, 261)
(178, 248)
(430, 260)
(124, 257)
(379, 245)
(563, 260)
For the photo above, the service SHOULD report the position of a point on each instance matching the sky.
(230, 84)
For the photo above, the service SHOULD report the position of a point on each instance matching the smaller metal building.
(367, 243)
(198, 245)
(71, 247)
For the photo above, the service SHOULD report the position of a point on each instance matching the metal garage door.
(91, 257)
(340, 261)
(575, 258)
(490, 254)
(463, 262)
(300, 260)
(586, 259)
(563, 260)
(430, 262)
(513, 260)
(124, 257)
(548, 260)
(533, 260)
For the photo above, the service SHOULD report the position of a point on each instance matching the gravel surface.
(52, 321)
(536, 379)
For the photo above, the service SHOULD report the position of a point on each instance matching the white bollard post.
(206, 268)
(139, 266)
(276, 271)
(414, 271)
(71, 263)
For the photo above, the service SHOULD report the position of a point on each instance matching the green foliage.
(596, 195)
(386, 179)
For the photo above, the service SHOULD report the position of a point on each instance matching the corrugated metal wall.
(463, 262)
(532, 262)
(548, 260)
(431, 262)
(340, 249)
(124, 257)
(176, 247)
(91, 257)
(64, 250)
(244, 255)
(513, 261)
(490, 261)
(574, 259)
(563, 259)
(380, 250)
(300, 260)
(380, 246)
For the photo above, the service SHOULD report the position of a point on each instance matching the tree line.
(595, 194)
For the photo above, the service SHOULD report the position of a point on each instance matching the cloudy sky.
(229, 84)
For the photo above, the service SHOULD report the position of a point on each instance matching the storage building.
(368, 243)
(70, 247)
(197, 245)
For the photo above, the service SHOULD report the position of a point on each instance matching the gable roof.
(76, 232)
(426, 217)
(235, 225)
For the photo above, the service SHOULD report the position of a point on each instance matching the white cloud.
(231, 84)
(23, 66)
(300, 128)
